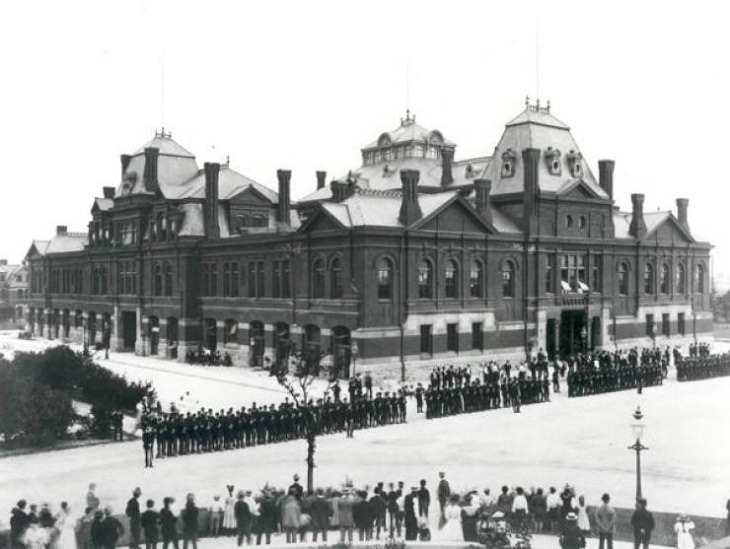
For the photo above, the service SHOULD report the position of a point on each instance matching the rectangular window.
(276, 288)
(596, 273)
(285, 279)
(573, 272)
(426, 339)
(234, 279)
(226, 279)
(452, 337)
(252, 279)
(665, 325)
(650, 325)
(213, 280)
(477, 336)
(680, 323)
(550, 274)
(205, 280)
(260, 279)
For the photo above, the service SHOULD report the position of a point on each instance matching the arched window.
(157, 284)
(649, 279)
(681, 279)
(168, 279)
(664, 286)
(385, 279)
(508, 279)
(700, 275)
(336, 278)
(318, 279)
(476, 279)
(451, 279)
(425, 280)
(622, 278)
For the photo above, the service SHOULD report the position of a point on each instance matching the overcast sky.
(303, 85)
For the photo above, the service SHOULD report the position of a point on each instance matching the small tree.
(297, 379)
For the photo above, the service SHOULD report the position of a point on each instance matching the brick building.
(13, 294)
(410, 260)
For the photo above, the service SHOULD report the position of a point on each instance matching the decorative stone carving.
(552, 159)
(575, 163)
(509, 158)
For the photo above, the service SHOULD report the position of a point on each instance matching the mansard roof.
(537, 128)
(409, 132)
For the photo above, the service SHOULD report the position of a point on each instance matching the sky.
(304, 85)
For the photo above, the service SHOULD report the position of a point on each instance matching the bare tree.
(303, 369)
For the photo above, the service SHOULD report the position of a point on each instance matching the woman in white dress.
(229, 515)
(451, 529)
(682, 528)
(584, 523)
(66, 528)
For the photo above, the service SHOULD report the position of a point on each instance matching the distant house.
(13, 295)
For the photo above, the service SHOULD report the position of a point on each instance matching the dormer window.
(469, 172)
(575, 163)
(388, 154)
(509, 157)
(552, 158)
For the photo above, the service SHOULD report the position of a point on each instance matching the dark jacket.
(133, 510)
(19, 521)
(571, 537)
(242, 514)
(96, 532)
(268, 516)
(377, 506)
(169, 524)
(190, 518)
(321, 511)
(642, 520)
(150, 520)
(361, 514)
(111, 531)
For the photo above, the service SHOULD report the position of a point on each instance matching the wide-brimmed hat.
(571, 516)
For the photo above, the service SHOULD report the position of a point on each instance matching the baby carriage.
(494, 532)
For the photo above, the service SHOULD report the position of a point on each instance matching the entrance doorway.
(129, 330)
(154, 335)
(572, 333)
(551, 338)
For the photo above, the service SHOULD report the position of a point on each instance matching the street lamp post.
(637, 428)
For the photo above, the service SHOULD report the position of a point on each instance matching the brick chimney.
(125, 158)
(637, 229)
(447, 161)
(151, 154)
(340, 191)
(61, 230)
(605, 176)
(482, 189)
(210, 206)
(531, 160)
(321, 176)
(682, 204)
(282, 211)
(410, 211)
(108, 192)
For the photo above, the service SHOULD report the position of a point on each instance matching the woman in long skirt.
(66, 528)
(229, 515)
(584, 523)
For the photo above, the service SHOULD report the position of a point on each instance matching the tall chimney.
(150, 168)
(531, 160)
(637, 229)
(682, 204)
(108, 192)
(447, 161)
(482, 189)
(61, 230)
(210, 206)
(340, 190)
(282, 212)
(410, 211)
(605, 176)
(321, 176)
(125, 158)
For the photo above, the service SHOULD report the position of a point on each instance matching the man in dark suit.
(243, 516)
(134, 515)
(111, 529)
(424, 500)
(443, 492)
(411, 522)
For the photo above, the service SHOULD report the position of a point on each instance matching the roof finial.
(228, 160)
(527, 101)
(548, 106)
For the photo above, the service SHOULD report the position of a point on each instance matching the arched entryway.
(91, 330)
(66, 323)
(153, 326)
(211, 335)
(312, 346)
(256, 343)
(172, 337)
(281, 344)
(341, 351)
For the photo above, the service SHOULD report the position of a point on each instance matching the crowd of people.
(205, 357)
(175, 433)
(703, 366)
(355, 514)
